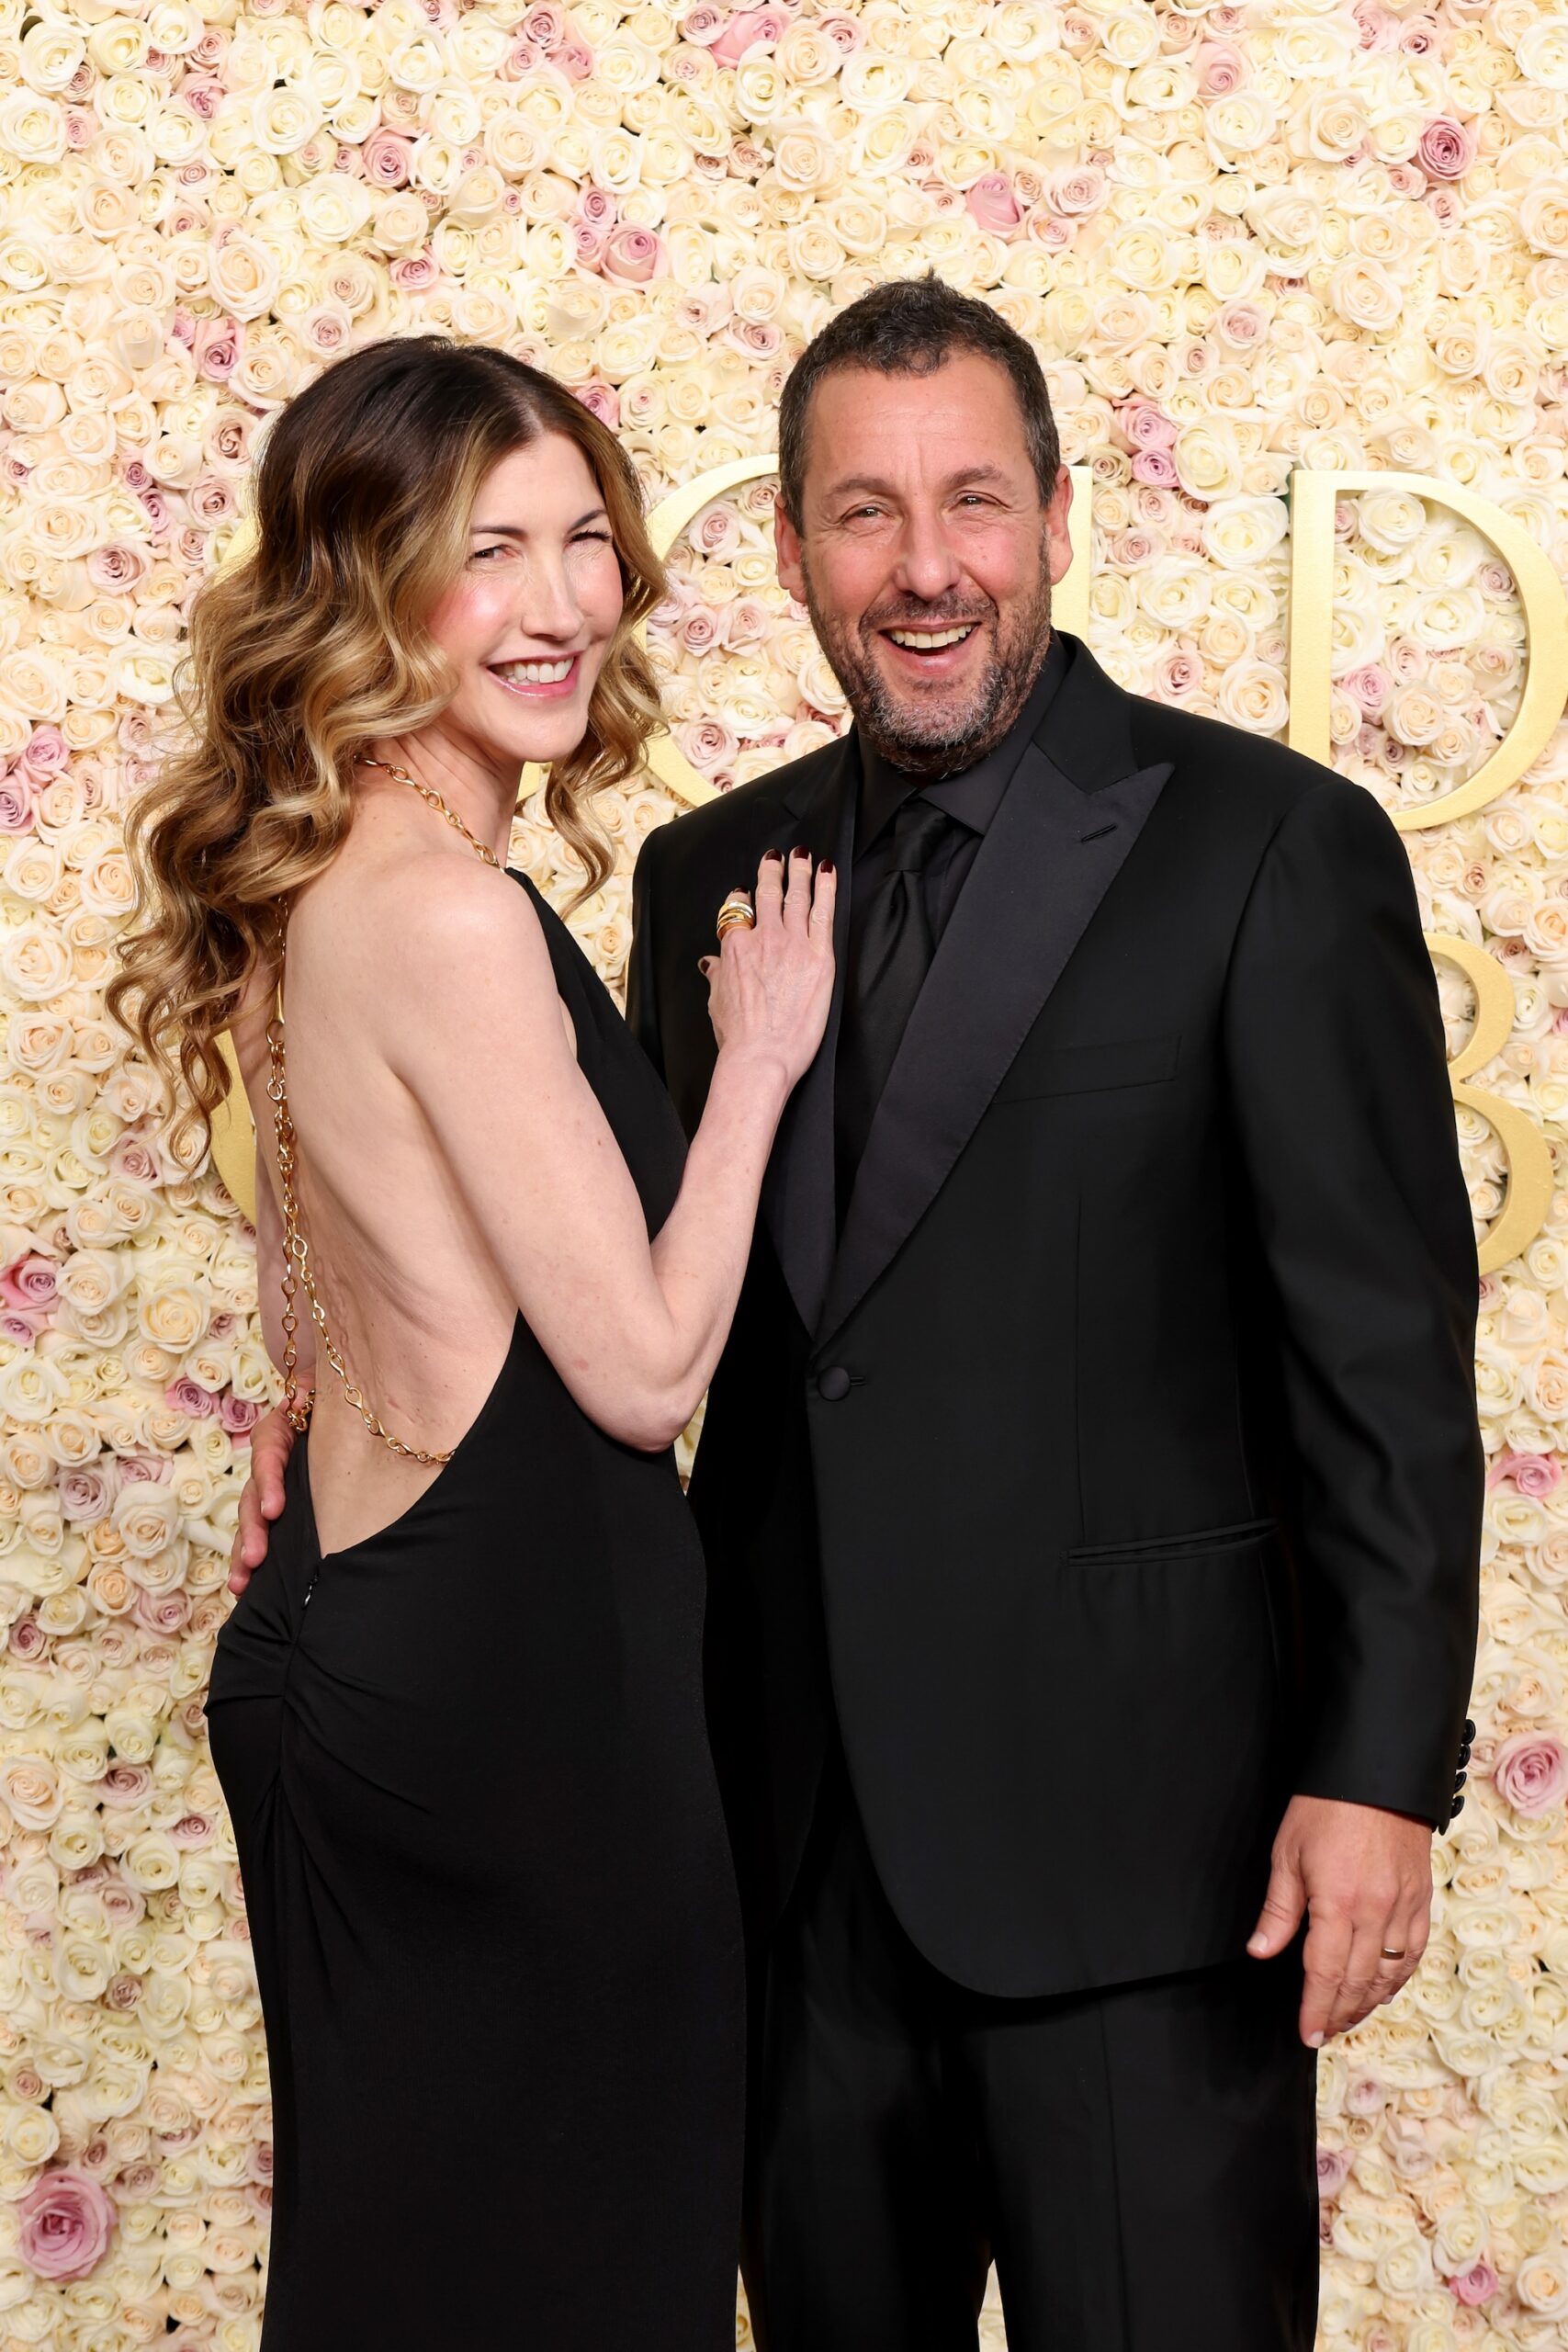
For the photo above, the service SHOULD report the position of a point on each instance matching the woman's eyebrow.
(515, 530)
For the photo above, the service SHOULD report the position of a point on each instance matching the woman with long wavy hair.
(458, 1718)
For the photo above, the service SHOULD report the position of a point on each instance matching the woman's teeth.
(930, 640)
(534, 674)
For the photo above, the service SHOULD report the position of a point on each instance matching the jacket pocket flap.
(1206, 1540)
(1082, 1070)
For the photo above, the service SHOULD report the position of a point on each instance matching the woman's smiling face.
(527, 623)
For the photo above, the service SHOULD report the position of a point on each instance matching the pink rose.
(1447, 149)
(603, 399)
(186, 1397)
(161, 1612)
(598, 207)
(544, 27)
(415, 273)
(85, 1494)
(1077, 190)
(993, 203)
(1532, 1474)
(846, 33)
(633, 256)
(768, 26)
(27, 1281)
(1147, 427)
(124, 1785)
(703, 24)
(43, 754)
(1333, 2170)
(238, 1415)
(1221, 70)
(26, 1638)
(1370, 685)
(1177, 674)
(1154, 466)
(15, 805)
(1476, 2285)
(699, 631)
(1530, 1771)
(66, 2223)
(114, 566)
(216, 349)
(385, 155)
(575, 60)
(1379, 31)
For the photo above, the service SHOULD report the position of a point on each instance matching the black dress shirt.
(972, 797)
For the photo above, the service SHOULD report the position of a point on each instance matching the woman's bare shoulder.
(412, 921)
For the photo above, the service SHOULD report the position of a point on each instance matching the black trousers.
(1139, 2162)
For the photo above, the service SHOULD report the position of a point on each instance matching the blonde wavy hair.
(317, 642)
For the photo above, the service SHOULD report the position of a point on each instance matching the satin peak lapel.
(798, 1204)
(1051, 851)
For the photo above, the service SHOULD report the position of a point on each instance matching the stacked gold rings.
(735, 913)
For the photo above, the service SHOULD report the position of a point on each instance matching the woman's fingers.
(824, 899)
(769, 893)
(797, 904)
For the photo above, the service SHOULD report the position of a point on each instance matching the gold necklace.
(427, 792)
(297, 1270)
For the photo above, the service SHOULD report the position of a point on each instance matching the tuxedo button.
(1467, 1730)
(1456, 1808)
(833, 1384)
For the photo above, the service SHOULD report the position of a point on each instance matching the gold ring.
(735, 914)
(1393, 1955)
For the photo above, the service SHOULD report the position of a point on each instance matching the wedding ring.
(735, 912)
(1393, 1955)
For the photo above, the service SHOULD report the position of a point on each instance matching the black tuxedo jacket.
(1117, 1472)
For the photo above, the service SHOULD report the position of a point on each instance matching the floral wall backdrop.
(1243, 238)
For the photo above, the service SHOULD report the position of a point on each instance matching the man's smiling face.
(926, 555)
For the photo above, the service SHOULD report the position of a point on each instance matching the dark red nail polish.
(770, 856)
(801, 853)
(827, 866)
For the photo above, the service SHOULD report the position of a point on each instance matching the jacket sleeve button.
(1456, 1808)
(833, 1384)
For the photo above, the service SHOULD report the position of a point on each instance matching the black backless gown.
(486, 1877)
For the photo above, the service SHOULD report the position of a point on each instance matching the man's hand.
(271, 1440)
(1364, 1878)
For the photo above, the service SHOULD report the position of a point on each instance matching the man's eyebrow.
(515, 531)
(873, 485)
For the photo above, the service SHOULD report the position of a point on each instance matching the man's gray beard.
(1002, 694)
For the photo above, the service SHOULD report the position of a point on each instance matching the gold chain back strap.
(297, 1273)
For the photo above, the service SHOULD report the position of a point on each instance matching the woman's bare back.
(420, 1311)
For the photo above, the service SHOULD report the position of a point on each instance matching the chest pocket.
(1084, 1070)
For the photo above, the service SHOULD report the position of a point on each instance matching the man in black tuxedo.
(1091, 1485)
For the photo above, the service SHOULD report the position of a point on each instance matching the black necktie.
(895, 949)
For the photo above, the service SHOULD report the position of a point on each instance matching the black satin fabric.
(486, 1877)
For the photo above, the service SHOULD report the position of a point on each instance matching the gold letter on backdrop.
(1525, 1146)
(1312, 499)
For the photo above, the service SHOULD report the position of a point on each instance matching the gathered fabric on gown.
(486, 1873)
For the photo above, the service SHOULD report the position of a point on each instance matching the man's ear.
(1059, 537)
(786, 554)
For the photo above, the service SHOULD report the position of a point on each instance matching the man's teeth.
(927, 641)
(534, 674)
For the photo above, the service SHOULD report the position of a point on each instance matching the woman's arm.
(474, 1032)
